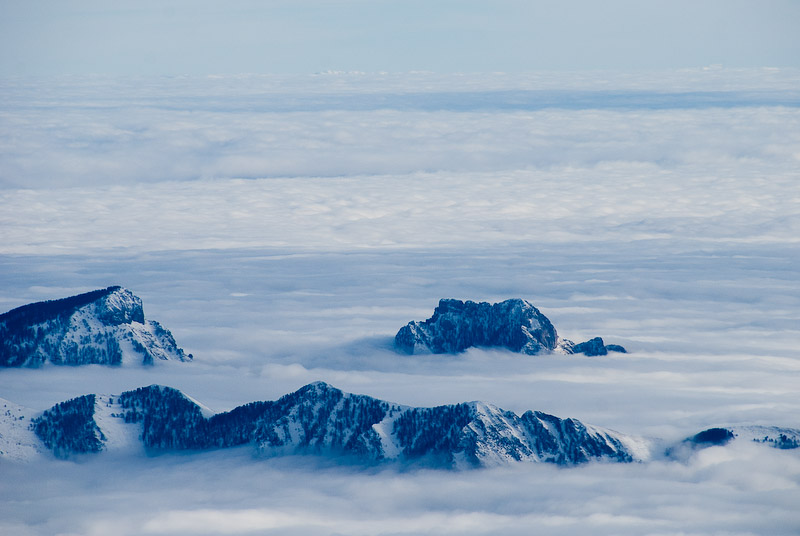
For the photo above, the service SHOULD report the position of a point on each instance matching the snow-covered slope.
(18, 442)
(513, 324)
(103, 327)
(774, 436)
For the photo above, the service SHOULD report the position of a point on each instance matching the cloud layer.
(74, 132)
(733, 203)
(743, 491)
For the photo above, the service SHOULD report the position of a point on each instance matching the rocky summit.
(104, 327)
(514, 324)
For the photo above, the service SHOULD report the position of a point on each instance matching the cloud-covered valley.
(284, 244)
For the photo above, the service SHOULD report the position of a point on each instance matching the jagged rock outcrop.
(456, 326)
(512, 324)
(592, 347)
(320, 419)
(100, 327)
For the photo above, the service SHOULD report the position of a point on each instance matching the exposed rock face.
(592, 347)
(100, 327)
(456, 326)
(319, 419)
(512, 324)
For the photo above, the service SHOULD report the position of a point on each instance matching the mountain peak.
(105, 326)
(49, 309)
(319, 386)
(120, 306)
(514, 324)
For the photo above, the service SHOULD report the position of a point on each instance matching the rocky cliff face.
(512, 324)
(592, 347)
(100, 327)
(322, 420)
(456, 326)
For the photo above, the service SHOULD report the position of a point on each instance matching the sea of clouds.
(285, 228)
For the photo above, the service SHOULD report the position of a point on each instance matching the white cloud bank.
(733, 202)
(734, 491)
(73, 132)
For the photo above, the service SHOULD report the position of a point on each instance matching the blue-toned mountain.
(322, 420)
(104, 326)
(514, 324)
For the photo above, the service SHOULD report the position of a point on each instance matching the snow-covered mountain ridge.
(513, 324)
(104, 326)
(321, 420)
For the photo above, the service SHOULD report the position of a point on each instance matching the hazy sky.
(303, 36)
